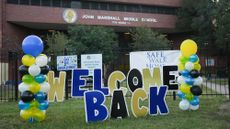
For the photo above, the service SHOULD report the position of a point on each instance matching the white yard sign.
(91, 62)
(66, 62)
(151, 59)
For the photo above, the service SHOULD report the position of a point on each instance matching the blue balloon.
(44, 105)
(23, 106)
(40, 97)
(189, 81)
(193, 58)
(181, 95)
(185, 73)
(195, 101)
(40, 78)
(32, 45)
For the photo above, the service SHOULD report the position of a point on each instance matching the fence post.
(16, 75)
(228, 61)
(66, 80)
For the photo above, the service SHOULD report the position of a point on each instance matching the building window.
(12, 1)
(210, 62)
(56, 3)
(66, 3)
(104, 6)
(35, 2)
(113, 7)
(86, 5)
(146, 9)
(26, 2)
(99, 6)
(46, 2)
(129, 8)
(94, 5)
(121, 7)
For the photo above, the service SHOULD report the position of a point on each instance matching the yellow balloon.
(34, 87)
(25, 114)
(181, 67)
(185, 88)
(188, 47)
(39, 115)
(197, 67)
(28, 60)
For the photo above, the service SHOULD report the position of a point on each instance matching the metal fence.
(215, 72)
(8, 75)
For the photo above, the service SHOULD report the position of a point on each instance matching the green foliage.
(91, 40)
(147, 39)
(223, 24)
(207, 20)
(197, 17)
(56, 42)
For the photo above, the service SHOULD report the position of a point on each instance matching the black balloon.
(23, 70)
(196, 90)
(45, 69)
(194, 73)
(27, 96)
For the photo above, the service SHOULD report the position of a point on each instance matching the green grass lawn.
(70, 115)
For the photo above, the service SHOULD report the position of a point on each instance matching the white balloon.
(184, 105)
(45, 87)
(193, 107)
(198, 81)
(181, 80)
(189, 66)
(34, 70)
(23, 87)
(41, 60)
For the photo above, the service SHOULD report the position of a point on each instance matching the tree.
(56, 42)
(147, 39)
(93, 39)
(223, 24)
(197, 17)
(207, 20)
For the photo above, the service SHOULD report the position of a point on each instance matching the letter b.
(95, 109)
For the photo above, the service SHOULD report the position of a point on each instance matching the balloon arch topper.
(34, 86)
(189, 80)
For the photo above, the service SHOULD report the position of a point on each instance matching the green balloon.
(34, 104)
(27, 78)
(183, 60)
(189, 97)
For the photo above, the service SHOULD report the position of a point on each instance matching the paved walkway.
(221, 89)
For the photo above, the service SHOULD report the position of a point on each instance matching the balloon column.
(34, 87)
(189, 80)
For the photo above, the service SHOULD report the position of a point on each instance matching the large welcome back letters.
(147, 85)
